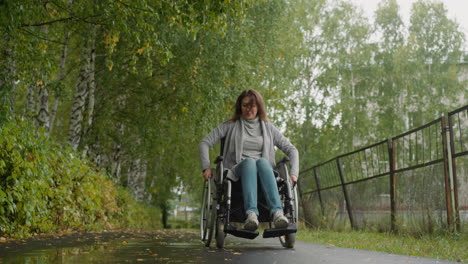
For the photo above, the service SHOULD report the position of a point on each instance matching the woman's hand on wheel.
(293, 180)
(207, 174)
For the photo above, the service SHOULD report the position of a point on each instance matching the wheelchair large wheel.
(208, 214)
(289, 240)
(205, 210)
(295, 205)
(211, 223)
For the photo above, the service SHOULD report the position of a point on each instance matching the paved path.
(176, 246)
(270, 251)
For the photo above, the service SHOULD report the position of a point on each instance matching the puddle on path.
(162, 246)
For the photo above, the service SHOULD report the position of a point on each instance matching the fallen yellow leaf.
(140, 51)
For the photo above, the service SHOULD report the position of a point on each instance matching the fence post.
(393, 189)
(348, 204)
(448, 198)
(454, 173)
(317, 182)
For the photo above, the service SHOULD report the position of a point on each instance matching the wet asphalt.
(182, 246)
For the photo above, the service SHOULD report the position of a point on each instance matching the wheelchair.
(222, 205)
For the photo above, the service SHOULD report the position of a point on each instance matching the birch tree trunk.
(116, 159)
(136, 179)
(132, 176)
(43, 106)
(142, 180)
(89, 107)
(91, 80)
(43, 96)
(61, 74)
(31, 101)
(81, 92)
(116, 163)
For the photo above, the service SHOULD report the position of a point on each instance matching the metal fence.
(414, 182)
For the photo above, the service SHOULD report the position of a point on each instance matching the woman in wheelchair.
(249, 153)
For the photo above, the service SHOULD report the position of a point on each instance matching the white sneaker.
(251, 223)
(279, 220)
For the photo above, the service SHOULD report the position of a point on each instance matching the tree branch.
(48, 22)
(66, 19)
(42, 38)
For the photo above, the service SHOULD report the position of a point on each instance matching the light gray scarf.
(235, 140)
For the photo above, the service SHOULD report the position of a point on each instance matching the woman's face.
(249, 108)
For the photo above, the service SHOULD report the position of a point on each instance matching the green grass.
(447, 246)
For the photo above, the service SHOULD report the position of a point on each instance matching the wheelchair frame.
(216, 209)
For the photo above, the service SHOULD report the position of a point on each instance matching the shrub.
(45, 187)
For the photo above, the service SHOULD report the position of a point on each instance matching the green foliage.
(47, 188)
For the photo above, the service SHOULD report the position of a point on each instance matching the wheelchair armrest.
(218, 159)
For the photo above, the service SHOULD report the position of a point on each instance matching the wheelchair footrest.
(277, 232)
(241, 232)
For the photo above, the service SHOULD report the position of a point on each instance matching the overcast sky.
(457, 10)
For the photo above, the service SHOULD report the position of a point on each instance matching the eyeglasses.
(249, 105)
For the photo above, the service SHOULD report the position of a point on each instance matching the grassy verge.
(453, 247)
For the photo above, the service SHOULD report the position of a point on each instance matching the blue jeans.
(248, 169)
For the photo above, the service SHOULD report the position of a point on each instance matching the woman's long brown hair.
(257, 98)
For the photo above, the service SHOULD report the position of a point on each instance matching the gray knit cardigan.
(232, 152)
